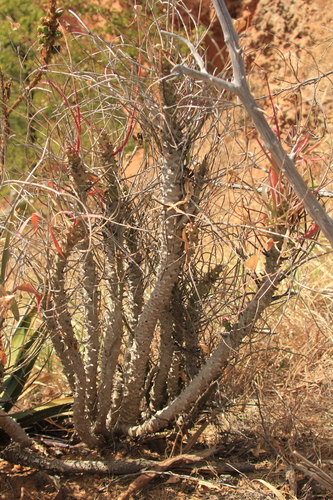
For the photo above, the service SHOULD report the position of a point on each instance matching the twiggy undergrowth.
(157, 249)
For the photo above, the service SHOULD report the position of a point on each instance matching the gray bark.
(59, 321)
(158, 394)
(13, 429)
(229, 343)
(173, 150)
(16, 455)
(174, 375)
(167, 274)
(92, 327)
(112, 336)
(134, 280)
(83, 424)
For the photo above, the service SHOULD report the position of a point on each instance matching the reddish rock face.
(203, 12)
(71, 24)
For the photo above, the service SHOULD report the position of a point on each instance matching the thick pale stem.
(89, 283)
(167, 275)
(112, 336)
(83, 425)
(158, 394)
(229, 343)
(13, 429)
(61, 321)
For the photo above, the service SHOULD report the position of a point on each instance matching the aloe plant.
(25, 351)
(24, 342)
(13, 385)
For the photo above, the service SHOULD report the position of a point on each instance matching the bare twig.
(177, 461)
(313, 471)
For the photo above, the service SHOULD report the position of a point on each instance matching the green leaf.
(15, 310)
(5, 254)
(55, 408)
(26, 357)
(19, 337)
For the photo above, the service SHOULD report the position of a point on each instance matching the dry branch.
(167, 464)
(240, 88)
(311, 470)
(13, 429)
(15, 454)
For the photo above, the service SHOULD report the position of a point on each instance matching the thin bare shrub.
(156, 247)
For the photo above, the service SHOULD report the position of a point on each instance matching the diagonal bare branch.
(240, 87)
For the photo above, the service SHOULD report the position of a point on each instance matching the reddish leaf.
(26, 287)
(273, 182)
(312, 231)
(34, 218)
(56, 244)
(302, 144)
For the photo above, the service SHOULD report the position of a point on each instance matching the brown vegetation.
(274, 396)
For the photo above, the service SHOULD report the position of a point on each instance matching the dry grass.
(287, 373)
